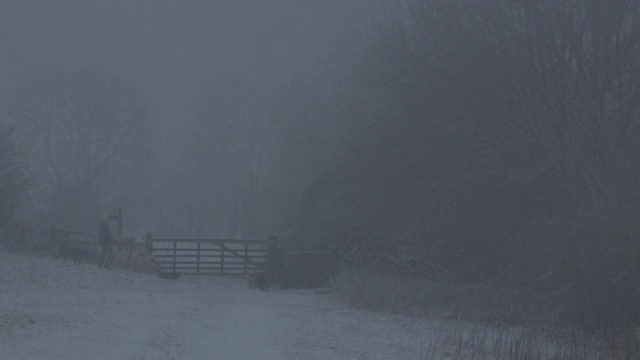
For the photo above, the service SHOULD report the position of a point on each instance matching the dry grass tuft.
(480, 322)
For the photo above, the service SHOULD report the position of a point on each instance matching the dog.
(121, 260)
(125, 244)
(258, 280)
(74, 253)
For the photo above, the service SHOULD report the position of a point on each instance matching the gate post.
(148, 243)
(246, 256)
(119, 219)
(198, 258)
(175, 247)
(274, 258)
(221, 257)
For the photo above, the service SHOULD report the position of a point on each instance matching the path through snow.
(51, 309)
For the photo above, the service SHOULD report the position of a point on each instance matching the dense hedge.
(490, 140)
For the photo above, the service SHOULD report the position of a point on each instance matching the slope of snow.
(51, 309)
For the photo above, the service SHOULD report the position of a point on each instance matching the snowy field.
(51, 309)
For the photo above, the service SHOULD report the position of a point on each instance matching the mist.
(478, 157)
(176, 57)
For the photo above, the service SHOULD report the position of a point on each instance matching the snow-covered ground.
(51, 309)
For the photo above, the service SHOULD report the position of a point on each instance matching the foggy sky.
(172, 50)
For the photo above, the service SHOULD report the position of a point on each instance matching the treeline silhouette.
(486, 141)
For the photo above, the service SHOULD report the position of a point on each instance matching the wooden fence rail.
(57, 234)
(64, 237)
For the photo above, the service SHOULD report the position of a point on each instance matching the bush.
(509, 130)
(368, 289)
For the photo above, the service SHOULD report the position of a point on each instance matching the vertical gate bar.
(246, 256)
(175, 247)
(198, 259)
(222, 257)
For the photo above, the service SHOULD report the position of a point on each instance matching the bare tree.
(569, 125)
(83, 130)
(228, 158)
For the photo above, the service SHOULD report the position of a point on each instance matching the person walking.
(106, 242)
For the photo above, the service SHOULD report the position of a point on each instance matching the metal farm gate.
(288, 268)
(210, 256)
